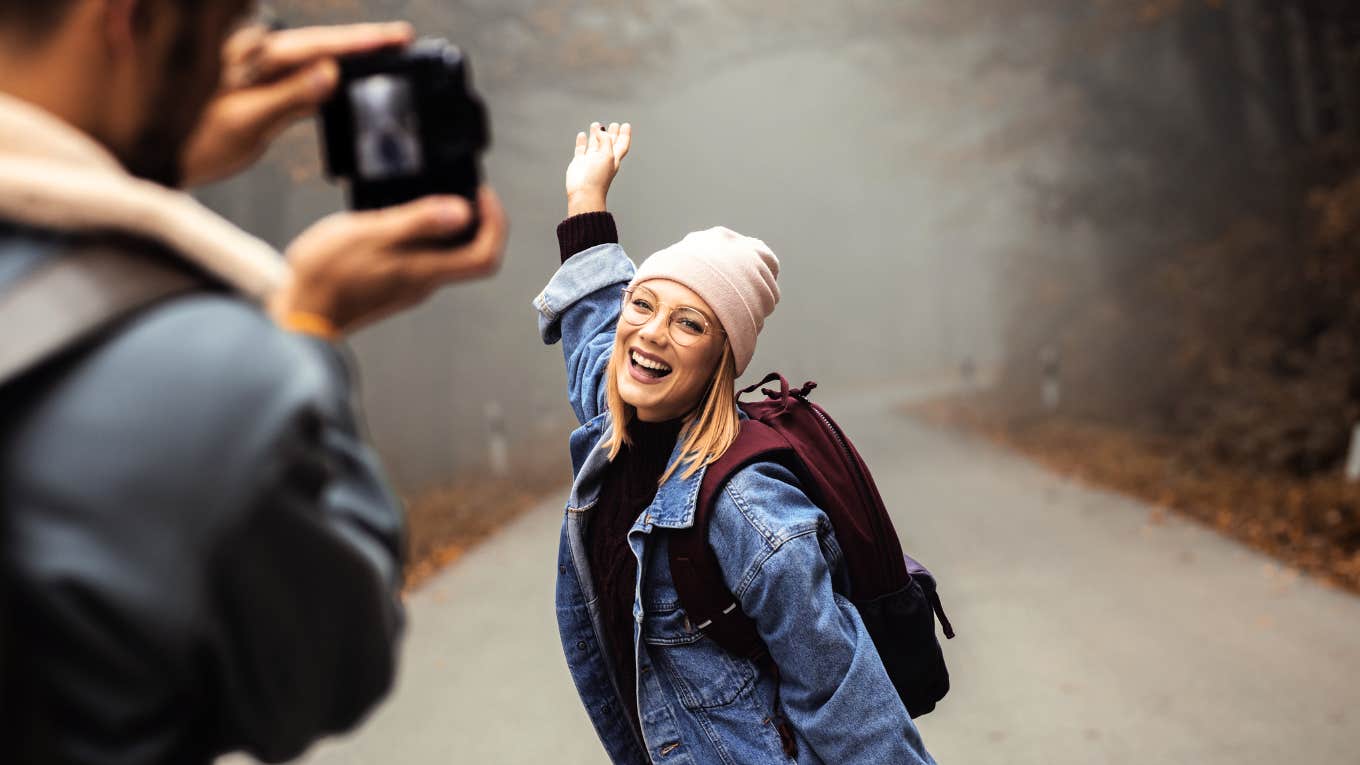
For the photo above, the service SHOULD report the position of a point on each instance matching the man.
(199, 551)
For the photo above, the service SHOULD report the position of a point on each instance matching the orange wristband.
(313, 324)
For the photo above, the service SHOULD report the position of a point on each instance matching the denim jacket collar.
(675, 501)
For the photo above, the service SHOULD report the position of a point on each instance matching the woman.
(653, 355)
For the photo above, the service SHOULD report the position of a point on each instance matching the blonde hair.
(708, 430)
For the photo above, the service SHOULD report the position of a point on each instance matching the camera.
(405, 123)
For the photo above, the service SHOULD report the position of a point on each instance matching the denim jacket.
(699, 705)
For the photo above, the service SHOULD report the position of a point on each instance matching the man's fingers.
(245, 43)
(428, 218)
(625, 141)
(265, 110)
(479, 258)
(355, 268)
(292, 48)
(495, 230)
(614, 130)
(594, 133)
(482, 257)
(580, 144)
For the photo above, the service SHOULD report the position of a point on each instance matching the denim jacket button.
(581, 645)
(562, 570)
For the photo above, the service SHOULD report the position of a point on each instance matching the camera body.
(405, 123)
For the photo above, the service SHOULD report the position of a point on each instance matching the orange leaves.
(1338, 213)
(444, 523)
(1312, 525)
(1152, 11)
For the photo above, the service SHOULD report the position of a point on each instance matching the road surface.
(1092, 629)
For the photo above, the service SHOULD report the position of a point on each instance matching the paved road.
(1090, 631)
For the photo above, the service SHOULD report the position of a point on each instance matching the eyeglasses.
(686, 325)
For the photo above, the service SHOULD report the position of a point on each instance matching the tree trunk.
(1323, 103)
(1208, 45)
(1279, 76)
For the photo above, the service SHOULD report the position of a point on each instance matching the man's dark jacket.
(200, 552)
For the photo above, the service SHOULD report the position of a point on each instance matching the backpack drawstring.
(938, 607)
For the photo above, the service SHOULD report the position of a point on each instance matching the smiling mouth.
(648, 366)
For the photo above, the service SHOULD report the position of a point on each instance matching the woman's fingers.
(613, 139)
(624, 142)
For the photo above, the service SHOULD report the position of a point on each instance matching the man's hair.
(35, 18)
(32, 17)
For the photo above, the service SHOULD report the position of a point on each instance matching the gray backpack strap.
(74, 295)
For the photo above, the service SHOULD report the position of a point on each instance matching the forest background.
(1153, 205)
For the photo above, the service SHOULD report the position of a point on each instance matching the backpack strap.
(74, 295)
(69, 299)
(710, 605)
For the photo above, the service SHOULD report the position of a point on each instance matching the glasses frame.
(710, 326)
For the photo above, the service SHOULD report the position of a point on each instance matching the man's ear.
(123, 21)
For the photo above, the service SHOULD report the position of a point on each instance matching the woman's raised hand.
(599, 153)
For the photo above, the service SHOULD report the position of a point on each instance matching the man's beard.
(157, 155)
(173, 112)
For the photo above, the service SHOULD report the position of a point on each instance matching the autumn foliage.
(1208, 327)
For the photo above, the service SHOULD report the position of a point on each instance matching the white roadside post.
(1050, 390)
(968, 374)
(1353, 459)
(497, 443)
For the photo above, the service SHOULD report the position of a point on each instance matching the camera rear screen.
(386, 128)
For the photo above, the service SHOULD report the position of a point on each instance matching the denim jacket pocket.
(704, 675)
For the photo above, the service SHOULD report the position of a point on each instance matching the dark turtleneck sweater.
(630, 485)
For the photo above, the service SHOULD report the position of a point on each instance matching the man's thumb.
(428, 218)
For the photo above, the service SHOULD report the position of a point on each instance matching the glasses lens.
(687, 326)
(639, 305)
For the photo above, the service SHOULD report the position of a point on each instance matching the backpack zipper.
(850, 458)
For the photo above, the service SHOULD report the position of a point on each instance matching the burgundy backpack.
(895, 595)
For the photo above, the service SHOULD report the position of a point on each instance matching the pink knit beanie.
(734, 274)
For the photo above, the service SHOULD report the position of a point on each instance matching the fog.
(857, 141)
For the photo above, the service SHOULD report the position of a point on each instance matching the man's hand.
(599, 153)
(269, 81)
(352, 269)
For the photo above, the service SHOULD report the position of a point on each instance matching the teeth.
(648, 363)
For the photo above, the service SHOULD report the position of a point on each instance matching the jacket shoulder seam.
(758, 565)
(772, 537)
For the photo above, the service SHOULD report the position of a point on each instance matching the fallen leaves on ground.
(445, 523)
(1312, 524)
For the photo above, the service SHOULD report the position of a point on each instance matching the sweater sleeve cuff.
(581, 232)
